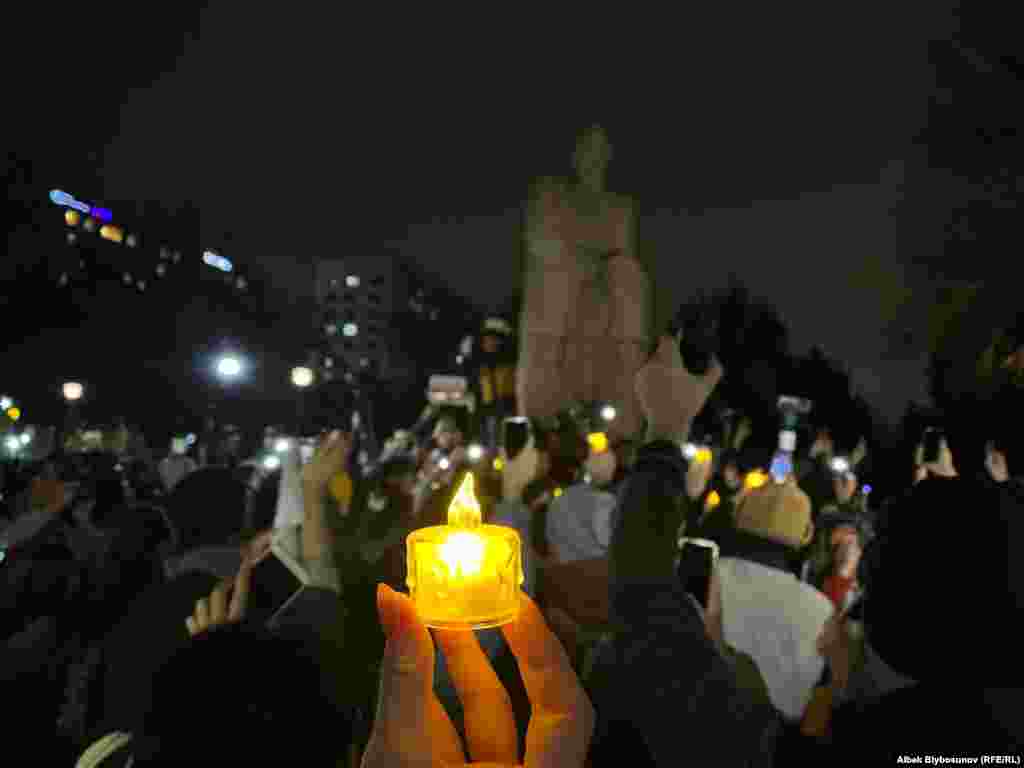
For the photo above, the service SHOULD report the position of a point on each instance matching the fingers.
(490, 721)
(667, 352)
(201, 615)
(447, 745)
(562, 722)
(216, 610)
(405, 704)
(714, 374)
(240, 594)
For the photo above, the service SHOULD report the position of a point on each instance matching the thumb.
(667, 351)
(407, 670)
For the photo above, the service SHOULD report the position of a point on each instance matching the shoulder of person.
(621, 202)
(815, 603)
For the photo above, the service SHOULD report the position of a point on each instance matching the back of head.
(946, 581)
(208, 508)
(780, 513)
(238, 696)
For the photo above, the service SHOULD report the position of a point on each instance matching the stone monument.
(585, 321)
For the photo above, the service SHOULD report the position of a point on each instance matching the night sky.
(786, 145)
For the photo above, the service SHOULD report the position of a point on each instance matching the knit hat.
(779, 513)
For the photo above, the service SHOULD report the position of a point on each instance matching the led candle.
(465, 575)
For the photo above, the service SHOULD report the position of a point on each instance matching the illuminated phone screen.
(782, 467)
(696, 562)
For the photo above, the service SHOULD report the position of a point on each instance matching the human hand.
(412, 728)
(669, 395)
(330, 458)
(258, 547)
(848, 554)
(834, 643)
(218, 610)
(698, 475)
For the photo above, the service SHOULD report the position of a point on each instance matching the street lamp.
(229, 367)
(73, 391)
(302, 376)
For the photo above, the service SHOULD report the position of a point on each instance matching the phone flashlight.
(840, 465)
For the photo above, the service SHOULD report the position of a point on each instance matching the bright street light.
(229, 367)
(302, 376)
(73, 390)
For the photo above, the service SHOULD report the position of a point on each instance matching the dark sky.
(773, 141)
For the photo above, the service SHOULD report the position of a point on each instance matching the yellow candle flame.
(464, 511)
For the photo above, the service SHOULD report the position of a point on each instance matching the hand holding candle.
(465, 575)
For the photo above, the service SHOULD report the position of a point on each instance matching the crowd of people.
(831, 628)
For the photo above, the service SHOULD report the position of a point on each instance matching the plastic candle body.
(465, 575)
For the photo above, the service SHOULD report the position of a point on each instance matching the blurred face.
(822, 446)
(731, 476)
(445, 440)
(843, 535)
(844, 486)
(601, 468)
(995, 463)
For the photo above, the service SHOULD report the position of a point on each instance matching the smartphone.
(782, 466)
(276, 581)
(515, 436)
(179, 446)
(697, 558)
(932, 446)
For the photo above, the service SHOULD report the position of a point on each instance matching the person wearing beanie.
(766, 611)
